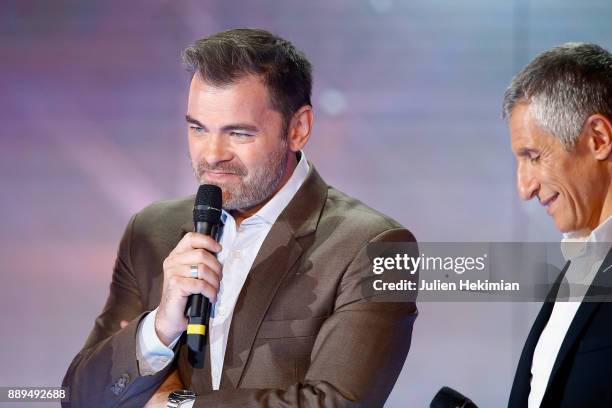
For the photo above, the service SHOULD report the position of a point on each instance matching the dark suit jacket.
(582, 373)
(304, 330)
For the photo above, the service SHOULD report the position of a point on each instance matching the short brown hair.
(228, 56)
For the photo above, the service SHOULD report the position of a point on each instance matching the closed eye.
(532, 155)
(241, 134)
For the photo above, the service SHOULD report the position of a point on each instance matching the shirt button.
(164, 359)
(237, 253)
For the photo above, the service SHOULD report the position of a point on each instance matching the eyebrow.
(196, 122)
(226, 128)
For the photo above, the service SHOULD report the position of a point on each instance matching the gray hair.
(563, 87)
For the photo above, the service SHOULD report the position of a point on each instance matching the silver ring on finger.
(194, 270)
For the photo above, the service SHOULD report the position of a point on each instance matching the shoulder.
(168, 207)
(349, 215)
(167, 215)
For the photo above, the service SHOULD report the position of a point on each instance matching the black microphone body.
(206, 220)
(449, 398)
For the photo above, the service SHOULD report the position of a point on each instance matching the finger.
(203, 272)
(193, 240)
(190, 286)
(198, 256)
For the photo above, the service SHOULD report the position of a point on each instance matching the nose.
(527, 183)
(216, 149)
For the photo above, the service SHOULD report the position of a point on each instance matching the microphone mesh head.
(208, 195)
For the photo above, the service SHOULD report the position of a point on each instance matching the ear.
(300, 128)
(599, 133)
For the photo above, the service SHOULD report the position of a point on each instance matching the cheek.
(571, 178)
(254, 154)
(193, 148)
(558, 176)
(249, 156)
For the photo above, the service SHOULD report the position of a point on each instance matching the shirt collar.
(573, 245)
(273, 208)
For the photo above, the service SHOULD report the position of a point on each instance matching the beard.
(255, 184)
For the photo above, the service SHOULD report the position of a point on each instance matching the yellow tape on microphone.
(196, 329)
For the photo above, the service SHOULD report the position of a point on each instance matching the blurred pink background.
(407, 99)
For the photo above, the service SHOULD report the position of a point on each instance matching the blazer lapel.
(522, 379)
(277, 256)
(599, 290)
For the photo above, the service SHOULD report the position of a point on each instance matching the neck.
(604, 213)
(244, 213)
(606, 209)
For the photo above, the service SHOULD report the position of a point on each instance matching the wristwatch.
(179, 397)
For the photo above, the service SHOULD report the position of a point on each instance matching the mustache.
(222, 167)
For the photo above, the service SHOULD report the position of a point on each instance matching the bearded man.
(291, 323)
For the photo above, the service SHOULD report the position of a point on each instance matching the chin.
(563, 225)
(566, 226)
(564, 229)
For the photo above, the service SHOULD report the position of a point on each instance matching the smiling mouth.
(549, 201)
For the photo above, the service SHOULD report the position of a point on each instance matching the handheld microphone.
(449, 398)
(206, 220)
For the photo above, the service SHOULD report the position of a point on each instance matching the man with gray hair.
(559, 110)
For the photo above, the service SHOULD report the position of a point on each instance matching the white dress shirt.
(239, 249)
(584, 261)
